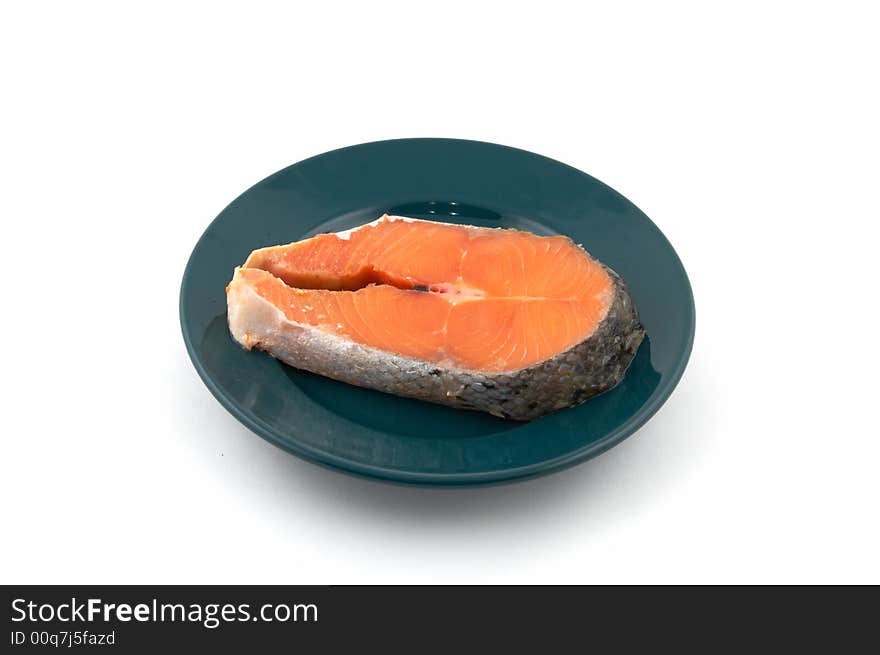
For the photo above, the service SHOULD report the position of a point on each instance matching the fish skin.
(569, 378)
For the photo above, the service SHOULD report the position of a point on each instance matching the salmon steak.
(497, 320)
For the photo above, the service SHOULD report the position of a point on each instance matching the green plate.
(383, 436)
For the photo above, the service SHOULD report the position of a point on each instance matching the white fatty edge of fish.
(569, 378)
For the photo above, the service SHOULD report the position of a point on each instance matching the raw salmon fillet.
(497, 320)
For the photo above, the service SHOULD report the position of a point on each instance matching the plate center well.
(392, 414)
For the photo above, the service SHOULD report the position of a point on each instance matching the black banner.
(323, 619)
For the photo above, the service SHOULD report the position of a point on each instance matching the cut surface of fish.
(491, 319)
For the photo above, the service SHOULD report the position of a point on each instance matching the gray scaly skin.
(588, 368)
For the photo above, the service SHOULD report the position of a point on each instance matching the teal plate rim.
(419, 163)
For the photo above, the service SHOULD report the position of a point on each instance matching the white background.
(748, 135)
